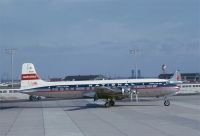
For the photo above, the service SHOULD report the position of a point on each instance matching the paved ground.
(84, 118)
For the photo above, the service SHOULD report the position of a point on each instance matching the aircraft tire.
(112, 103)
(166, 102)
(34, 98)
(38, 98)
(107, 104)
(31, 98)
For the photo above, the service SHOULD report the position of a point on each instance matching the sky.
(76, 37)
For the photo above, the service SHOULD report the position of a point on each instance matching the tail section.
(29, 77)
(176, 78)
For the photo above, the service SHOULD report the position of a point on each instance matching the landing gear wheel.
(107, 104)
(112, 103)
(39, 98)
(31, 98)
(166, 102)
(34, 98)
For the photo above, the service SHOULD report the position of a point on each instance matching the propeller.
(136, 95)
(129, 91)
(95, 97)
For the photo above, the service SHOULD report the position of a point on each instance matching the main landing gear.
(34, 98)
(109, 103)
(166, 102)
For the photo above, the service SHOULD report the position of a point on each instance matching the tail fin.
(29, 77)
(176, 78)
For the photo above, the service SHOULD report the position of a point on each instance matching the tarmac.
(87, 118)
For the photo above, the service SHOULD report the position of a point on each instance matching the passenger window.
(0, 91)
(4, 91)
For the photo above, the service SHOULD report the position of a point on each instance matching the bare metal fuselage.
(79, 94)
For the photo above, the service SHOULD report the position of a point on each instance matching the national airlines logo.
(29, 77)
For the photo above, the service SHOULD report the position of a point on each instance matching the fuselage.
(85, 89)
(12, 94)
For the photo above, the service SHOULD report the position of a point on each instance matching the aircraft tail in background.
(176, 78)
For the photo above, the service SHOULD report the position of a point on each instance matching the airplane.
(186, 87)
(176, 78)
(109, 90)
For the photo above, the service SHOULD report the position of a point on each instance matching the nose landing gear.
(166, 102)
(34, 98)
(109, 103)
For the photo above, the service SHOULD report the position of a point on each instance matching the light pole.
(11, 52)
(134, 51)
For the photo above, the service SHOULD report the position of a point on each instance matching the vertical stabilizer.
(176, 78)
(29, 77)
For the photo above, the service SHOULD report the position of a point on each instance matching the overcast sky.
(68, 37)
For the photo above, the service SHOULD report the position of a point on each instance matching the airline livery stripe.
(29, 77)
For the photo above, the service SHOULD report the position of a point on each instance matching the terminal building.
(84, 77)
(80, 78)
(189, 77)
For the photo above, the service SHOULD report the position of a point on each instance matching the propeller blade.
(136, 97)
(131, 95)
